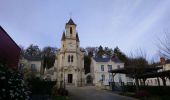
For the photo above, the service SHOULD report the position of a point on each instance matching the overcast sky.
(128, 24)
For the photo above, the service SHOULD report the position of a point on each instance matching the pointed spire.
(71, 22)
(63, 36)
(77, 37)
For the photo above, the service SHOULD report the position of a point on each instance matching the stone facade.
(69, 63)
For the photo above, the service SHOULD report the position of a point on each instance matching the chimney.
(162, 60)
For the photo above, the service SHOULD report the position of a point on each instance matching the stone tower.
(70, 59)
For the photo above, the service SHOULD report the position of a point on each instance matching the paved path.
(90, 93)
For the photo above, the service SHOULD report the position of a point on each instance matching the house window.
(110, 77)
(71, 31)
(151, 82)
(68, 58)
(155, 81)
(120, 79)
(21, 66)
(72, 58)
(33, 67)
(109, 67)
(103, 77)
(102, 67)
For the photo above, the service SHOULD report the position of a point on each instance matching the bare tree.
(22, 50)
(136, 65)
(164, 45)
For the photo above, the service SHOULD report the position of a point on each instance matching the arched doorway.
(89, 79)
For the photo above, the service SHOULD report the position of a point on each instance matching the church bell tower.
(70, 38)
(70, 58)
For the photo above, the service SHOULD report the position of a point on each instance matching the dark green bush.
(39, 86)
(157, 90)
(152, 90)
(12, 85)
(129, 88)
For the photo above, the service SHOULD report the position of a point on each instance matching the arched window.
(72, 58)
(68, 58)
(71, 31)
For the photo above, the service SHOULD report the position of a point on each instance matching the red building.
(9, 50)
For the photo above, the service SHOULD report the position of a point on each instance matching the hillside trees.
(100, 52)
(120, 54)
(32, 50)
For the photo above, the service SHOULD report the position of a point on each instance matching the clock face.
(71, 45)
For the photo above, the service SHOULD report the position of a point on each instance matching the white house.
(100, 67)
(156, 81)
(30, 65)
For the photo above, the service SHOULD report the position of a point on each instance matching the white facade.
(30, 66)
(154, 81)
(100, 68)
(69, 63)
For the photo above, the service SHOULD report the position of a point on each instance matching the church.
(69, 63)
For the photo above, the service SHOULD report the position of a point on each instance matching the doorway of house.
(70, 78)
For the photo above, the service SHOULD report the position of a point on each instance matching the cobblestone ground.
(91, 93)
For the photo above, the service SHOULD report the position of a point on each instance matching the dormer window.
(71, 31)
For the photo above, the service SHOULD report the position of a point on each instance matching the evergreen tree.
(120, 54)
(108, 51)
(100, 51)
(87, 62)
(49, 56)
(33, 50)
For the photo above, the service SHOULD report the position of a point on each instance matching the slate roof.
(107, 59)
(116, 59)
(63, 37)
(33, 58)
(100, 59)
(70, 22)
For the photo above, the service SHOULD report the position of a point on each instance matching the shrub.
(129, 88)
(12, 85)
(141, 94)
(39, 86)
(157, 90)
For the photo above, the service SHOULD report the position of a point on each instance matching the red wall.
(9, 50)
